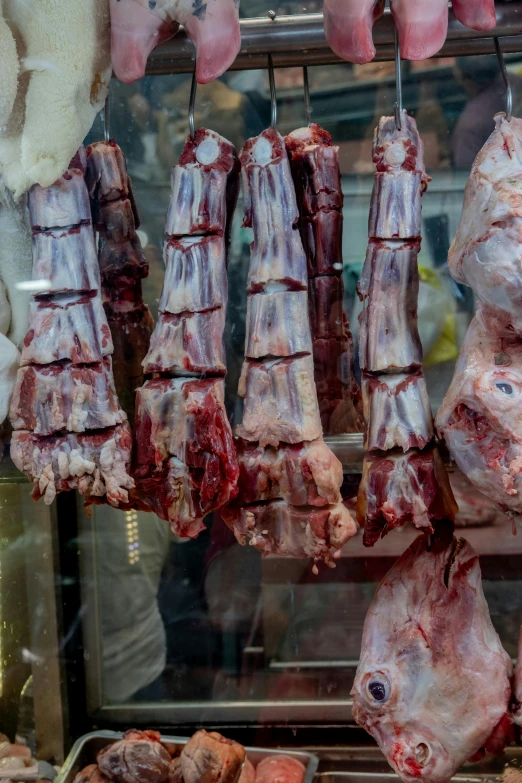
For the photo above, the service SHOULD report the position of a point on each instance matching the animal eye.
(379, 689)
(505, 388)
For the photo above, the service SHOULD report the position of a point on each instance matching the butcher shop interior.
(260, 407)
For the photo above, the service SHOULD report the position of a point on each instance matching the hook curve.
(192, 104)
(397, 107)
(273, 95)
(505, 77)
(107, 117)
(307, 101)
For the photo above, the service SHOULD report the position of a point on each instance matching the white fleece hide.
(8, 71)
(64, 54)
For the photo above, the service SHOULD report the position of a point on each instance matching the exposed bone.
(188, 343)
(280, 401)
(54, 397)
(72, 327)
(270, 208)
(195, 275)
(397, 412)
(389, 337)
(66, 260)
(277, 325)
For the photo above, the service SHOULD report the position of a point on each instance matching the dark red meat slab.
(322, 237)
(186, 462)
(326, 307)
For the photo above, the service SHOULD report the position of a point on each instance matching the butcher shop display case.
(246, 474)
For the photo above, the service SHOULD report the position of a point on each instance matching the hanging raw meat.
(138, 26)
(122, 266)
(348, 27)
(422, 25)
(70, 431)
(403, 478)
(433, 682)
(289, 501)
(480, 416)
(477, 14)
(314, 163)
(185, 462)
(517, 690)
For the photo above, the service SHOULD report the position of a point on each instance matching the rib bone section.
(186, 464)
(69, 429)
(289, 501)
(404, 479)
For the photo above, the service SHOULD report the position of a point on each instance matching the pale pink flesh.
(217, 39)
(477, 14)
(348, 28)
(422, 26)
(428, 637)
(135, 32)
(518, 684)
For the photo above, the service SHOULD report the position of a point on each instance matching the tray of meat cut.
(86, 748)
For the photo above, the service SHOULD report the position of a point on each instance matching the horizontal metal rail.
(299, 40)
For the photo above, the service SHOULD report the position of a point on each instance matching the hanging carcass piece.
(289, 501)
(185, 463)
(403, 478)
(69, 430)
(314, 162)
(122, 265)
(433, 682)
(480, 416)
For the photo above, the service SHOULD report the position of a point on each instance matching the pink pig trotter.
(477, 14)
(139, 26)
(348, 27)
(422, 26)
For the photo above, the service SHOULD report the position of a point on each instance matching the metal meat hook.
(107, 116)
(397, 107)
(273, 96)
(505, 76)
(192, 104)
(307, 102)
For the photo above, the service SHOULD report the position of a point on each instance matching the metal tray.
(85, 750)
